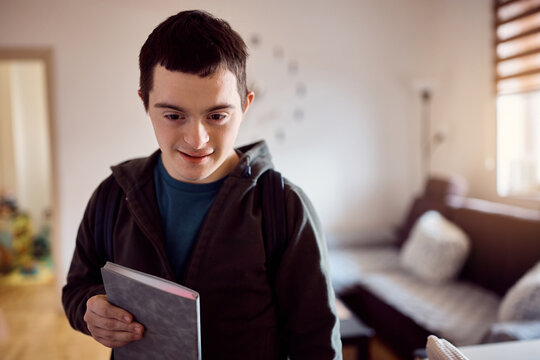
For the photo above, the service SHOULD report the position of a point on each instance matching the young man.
(192, 213)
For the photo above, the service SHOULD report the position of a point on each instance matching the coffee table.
(353, 331)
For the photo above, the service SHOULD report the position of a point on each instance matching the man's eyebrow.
(169, 106)
(223, 106)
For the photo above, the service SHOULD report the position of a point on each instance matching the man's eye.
(217, 117)
(172, 116)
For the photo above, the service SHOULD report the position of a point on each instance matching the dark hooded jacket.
(239, 316)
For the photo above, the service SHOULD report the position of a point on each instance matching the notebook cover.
(171, 321)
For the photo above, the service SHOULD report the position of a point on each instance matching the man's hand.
(110, 325)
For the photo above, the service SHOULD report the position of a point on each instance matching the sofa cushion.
(441, 349)
(439, 193)
(459, 311)
(522, 302)
(418, 208)
(436, 249)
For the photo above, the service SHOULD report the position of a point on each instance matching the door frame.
(45, 55)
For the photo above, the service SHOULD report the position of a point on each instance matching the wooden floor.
(32, 326)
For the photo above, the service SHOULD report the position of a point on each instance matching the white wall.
(356, 150)
(464, 101)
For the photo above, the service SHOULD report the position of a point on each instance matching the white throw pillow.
(441, 349)
(522, 301)
(436, 248)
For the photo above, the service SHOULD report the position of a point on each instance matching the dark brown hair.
(193, 42)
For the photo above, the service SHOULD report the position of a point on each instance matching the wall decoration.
(280, 135)
(273, 110)
(255, 40)
(301, 89)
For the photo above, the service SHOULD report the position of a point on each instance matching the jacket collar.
(255, 159)
(133, 174)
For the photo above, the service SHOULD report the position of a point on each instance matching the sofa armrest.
(512, 331)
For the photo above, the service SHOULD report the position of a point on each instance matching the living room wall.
(338, 101)
(463, 105)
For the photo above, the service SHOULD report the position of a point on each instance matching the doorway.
(27, 176)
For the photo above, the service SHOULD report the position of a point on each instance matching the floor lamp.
(425, 141)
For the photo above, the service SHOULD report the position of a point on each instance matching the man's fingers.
(109, 324)
(99, 305)
(117, 313)
(114, 339)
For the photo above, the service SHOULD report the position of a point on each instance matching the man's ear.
(249, 99)
(139, 92)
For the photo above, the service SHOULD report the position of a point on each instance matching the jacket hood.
(255, 159)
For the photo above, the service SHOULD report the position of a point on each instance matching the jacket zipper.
(152, 238)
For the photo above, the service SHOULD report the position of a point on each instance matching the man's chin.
(202, 176)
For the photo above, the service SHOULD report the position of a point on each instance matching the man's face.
(196, 121)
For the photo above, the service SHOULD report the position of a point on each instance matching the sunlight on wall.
(518, 134)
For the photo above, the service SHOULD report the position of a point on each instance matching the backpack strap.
(274, 220)
(275, 235)
(107, 206)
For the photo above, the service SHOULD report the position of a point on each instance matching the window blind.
(517, 46)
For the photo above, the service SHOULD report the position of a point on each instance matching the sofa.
(492, 295)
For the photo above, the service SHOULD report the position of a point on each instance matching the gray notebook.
(168, 311)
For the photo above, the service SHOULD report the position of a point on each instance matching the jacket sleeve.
(305, 296)
(84, 276)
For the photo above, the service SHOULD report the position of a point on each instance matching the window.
(517, 53)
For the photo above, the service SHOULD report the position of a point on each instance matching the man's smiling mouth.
(195, 158)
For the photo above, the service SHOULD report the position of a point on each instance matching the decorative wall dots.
(280, 135)
(301, 89)
(269, 88)
(255, 40)
(298, 114)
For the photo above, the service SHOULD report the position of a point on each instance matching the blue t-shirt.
(183, 207)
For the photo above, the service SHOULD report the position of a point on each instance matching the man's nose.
(196, 135)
